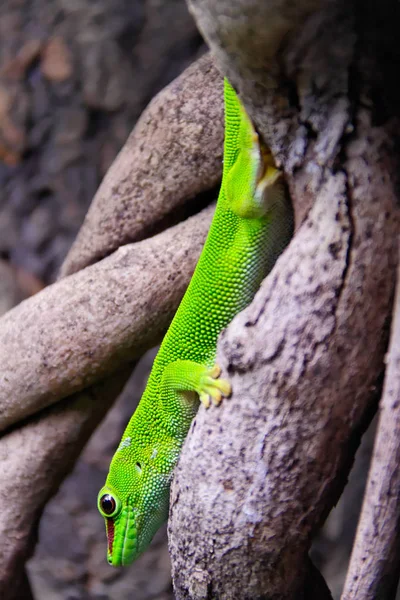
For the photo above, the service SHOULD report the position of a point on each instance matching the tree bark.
(84, 327)
(258, 475)
(375, 561)
(183, 123)
(257, 478)
(38, 452)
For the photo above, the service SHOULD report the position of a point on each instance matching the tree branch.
(173, 154)
(34, 460)
(37, 455)
(86, 326)
(374, 565)
(284, 59)
(257, 477)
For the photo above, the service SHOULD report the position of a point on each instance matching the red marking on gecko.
(110, 534)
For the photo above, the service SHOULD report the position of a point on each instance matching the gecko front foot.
(213, 389)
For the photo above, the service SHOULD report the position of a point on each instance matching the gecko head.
(134, 503)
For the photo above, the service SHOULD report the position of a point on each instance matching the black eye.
(107, 504)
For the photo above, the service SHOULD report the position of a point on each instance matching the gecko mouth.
(110, 537)
(122, 540)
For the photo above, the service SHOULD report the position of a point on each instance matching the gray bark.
(84, 327)
(375, 560)
(37, 453)
(257, 476)
(173, 155)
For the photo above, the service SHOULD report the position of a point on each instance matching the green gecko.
(251, 226)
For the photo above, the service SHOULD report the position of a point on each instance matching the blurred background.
(74, 77)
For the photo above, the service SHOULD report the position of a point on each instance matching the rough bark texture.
(69, 559)
(375, 561)
(36, 456)
(296, 91)
(34, 459)
(31, 452)
(86, 326)
(257, 478)
(190, 133)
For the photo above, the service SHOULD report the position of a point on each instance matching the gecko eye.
(108, 505)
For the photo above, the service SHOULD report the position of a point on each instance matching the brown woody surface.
(173, 154)
(256, 480)
(374, 565)
(38, 454)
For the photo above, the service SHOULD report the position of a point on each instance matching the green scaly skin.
(251, 226)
